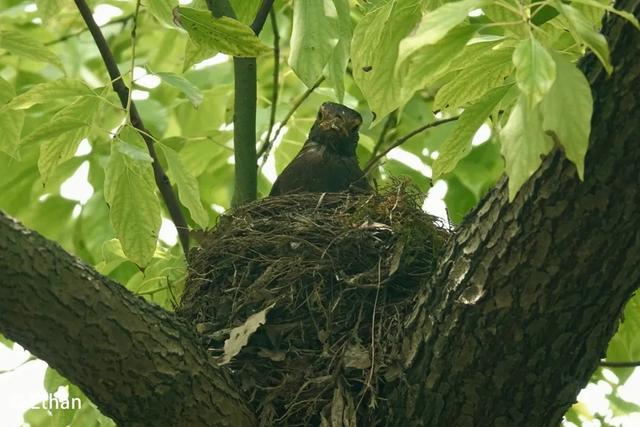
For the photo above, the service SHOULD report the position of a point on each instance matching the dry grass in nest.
(336, 275)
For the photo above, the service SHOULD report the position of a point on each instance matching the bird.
(327, 161)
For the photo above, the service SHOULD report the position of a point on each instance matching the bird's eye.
(319, 117)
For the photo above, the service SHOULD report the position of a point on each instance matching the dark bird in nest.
(327, 161)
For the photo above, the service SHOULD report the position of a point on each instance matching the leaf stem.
(264, 151)
(629, 364)
(162, 181)
(374, 160)
(276, 77)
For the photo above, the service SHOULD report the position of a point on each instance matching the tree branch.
(264, 151)
(244, 108)
(276, 80)
(630, 364)
(530, 292)
(162, 181)
(261, 16)
(138, 362)
(398, 142)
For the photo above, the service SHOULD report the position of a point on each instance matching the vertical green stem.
(244, 130)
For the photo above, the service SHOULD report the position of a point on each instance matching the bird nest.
(305, 298)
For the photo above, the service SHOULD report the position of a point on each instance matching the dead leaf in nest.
(356, 356)
(239, 336)
(276, 356)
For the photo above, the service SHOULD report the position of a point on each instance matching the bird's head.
(337, 126)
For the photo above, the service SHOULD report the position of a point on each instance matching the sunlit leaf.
(374, 51)
(183, 85)
(458, 144)
(187, 186)
(488, 71)
(222, 34)
(436, 24)
(606, 6)
(130, 191)
(162, 10)
(313, 37)
(51, 91)
(625, 344)
(20, 44)
(567, 111)
(10, 121)
(535, 70)
(340, 56)
(425, 64)
(585, 33)
(523, 143)
(59, 137)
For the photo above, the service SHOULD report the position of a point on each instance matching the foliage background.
(57, 145)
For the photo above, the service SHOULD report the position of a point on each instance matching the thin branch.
(264, 151)
(120, 20)
(388, 125)
(162, 181)
(371, 163)
(276, 77)
(261, 16)
(134, 29)
(630, 364)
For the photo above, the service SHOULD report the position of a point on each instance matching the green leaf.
(194, 53)
(426, 64)
(48, 9)
(458, 144)
(10, 121)
(374, 51)
(190, 90)
(567, 111)
(535, 70)
(585, 33)
(503, 15)
(314, 36)
(20, 44)
(61, 135)
(606, 6)
(187, 186)
(488, 71)
(54, 90)
(223, 34)
(134, 207)
(436, 24)
(340, 56)
(162, 10)
(245, 9)
(523, 144)
(625, 344)
(6, 341)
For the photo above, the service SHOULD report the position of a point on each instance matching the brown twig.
(276, 76)
(162, 181)
(264, 151)
(374, 160)
(629, 364)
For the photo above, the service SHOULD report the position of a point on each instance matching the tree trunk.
(530, 293)
(507, 333)
(135, 360)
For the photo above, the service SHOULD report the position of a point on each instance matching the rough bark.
(511, 328)
(138, 362)
(530, 293)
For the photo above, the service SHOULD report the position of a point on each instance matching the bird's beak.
(336, 124)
